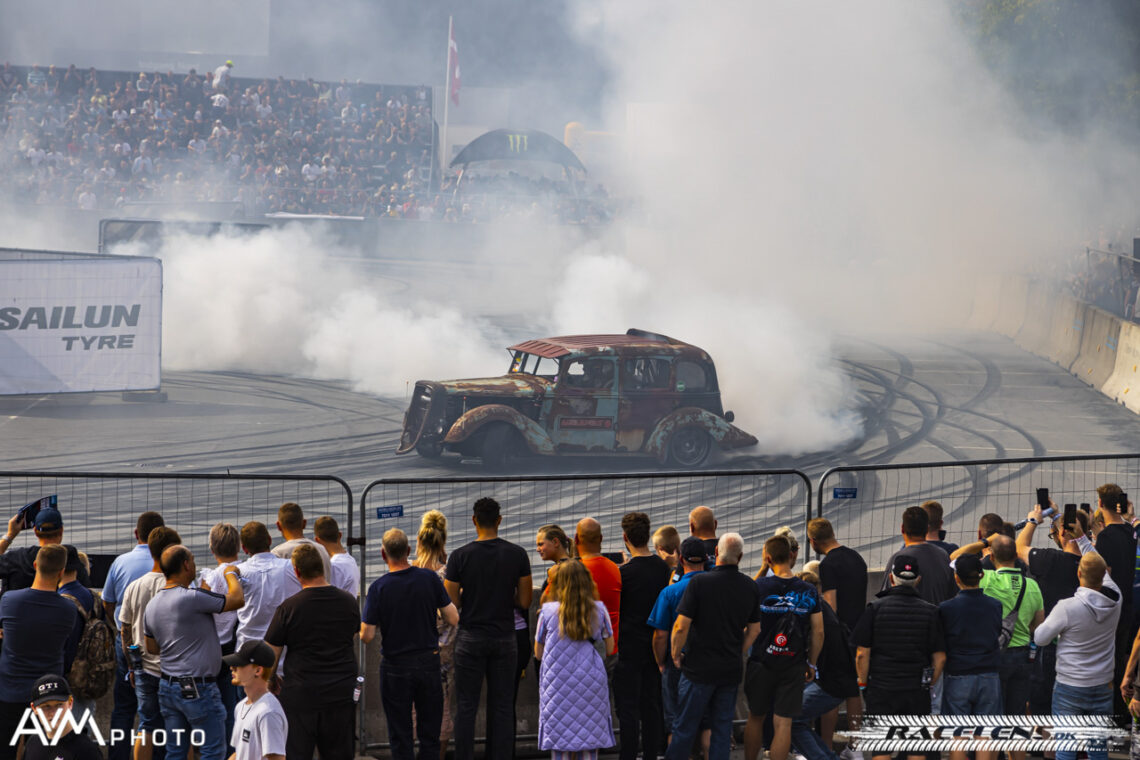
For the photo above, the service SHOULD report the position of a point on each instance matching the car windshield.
(532, 364)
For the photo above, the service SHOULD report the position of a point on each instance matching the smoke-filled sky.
(798, 171)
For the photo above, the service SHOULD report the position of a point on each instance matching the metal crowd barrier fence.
(750, 502)
(865, 503)
(99, 509)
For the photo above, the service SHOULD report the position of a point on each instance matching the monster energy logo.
(517, 143)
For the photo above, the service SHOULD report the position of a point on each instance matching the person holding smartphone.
(17, 566)
(1117, 544)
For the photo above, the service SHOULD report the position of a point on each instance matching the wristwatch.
(1035, 522)
(985, 543)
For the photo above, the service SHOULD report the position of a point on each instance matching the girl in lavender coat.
(573, 697)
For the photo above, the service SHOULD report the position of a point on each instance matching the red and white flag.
(453, 67)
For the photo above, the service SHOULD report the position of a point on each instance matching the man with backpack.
(785, 653)
(89, 656)
(1022, 611)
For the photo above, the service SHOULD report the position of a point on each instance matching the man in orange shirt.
(607, 577)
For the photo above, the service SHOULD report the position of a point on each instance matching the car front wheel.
(502, 448)
(689, 447)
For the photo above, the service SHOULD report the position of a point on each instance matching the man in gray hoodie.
(1085, 626)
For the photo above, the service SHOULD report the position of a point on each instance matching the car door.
(583, 412)
(647, 395)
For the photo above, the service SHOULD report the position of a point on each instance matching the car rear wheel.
(502, 448)
(689, 447)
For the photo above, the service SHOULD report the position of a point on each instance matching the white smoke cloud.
(283, 302)
(809, 169)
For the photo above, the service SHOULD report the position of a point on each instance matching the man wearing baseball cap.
(901, 646)
(972, 623)
(17, 568)
(260, 725)
(51, 694)
(693, 557)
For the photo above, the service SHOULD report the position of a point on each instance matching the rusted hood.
(516, 385)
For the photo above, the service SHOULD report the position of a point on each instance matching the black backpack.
(783, 643)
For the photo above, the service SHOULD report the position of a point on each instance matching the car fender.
(727, 435)
(472, 421)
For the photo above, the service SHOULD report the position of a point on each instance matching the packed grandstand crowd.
(105, 139)
(996, 626)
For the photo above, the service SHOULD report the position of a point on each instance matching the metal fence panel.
(752, 503)
(865, 503)
(99, 509)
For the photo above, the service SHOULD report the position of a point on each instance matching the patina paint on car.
(638, 393)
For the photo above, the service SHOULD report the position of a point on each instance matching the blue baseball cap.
(49, 520)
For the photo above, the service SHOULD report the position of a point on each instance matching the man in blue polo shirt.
(404, 604)
(661, 619)
(126, 568)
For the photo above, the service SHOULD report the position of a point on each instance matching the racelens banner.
(80, 323)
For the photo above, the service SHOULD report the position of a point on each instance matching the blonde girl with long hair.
(574, 703)
(431, 554)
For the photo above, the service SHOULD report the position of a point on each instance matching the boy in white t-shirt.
(260, 726)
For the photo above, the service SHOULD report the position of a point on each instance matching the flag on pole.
(453, 67)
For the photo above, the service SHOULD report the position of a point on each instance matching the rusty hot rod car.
(639, 393)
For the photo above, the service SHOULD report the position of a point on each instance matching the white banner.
(80, 324)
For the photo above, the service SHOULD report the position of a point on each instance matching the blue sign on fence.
(396, 510)
(844, 493)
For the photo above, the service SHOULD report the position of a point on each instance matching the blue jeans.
(146, 695)
(693, 699)
(1088, 700)
(204, 713)
(670, 681)
(123, 713)
(406, 682)
(1015, 671)
(494, 659)
(972, 694)
(816, 703)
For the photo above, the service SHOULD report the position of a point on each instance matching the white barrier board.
(84, 324)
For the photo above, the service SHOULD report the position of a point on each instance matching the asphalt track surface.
(948, 397)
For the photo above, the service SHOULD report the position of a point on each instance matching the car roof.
(634, 340)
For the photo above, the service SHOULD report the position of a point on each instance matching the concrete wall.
(1100, 348)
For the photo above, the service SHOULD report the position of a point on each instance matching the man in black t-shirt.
(842, 572)
(702, 524)
(404, 604)
(316, 627)
(934, 533)
(637, 680)
(486, 579)
(17, 566)
(937, 583)
(1117, 545)
(718, 618)
(843, 581)
(1056, 573)
(50, 696)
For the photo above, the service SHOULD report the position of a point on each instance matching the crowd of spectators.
(101, 139)
(105, 139)
(995, 626)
